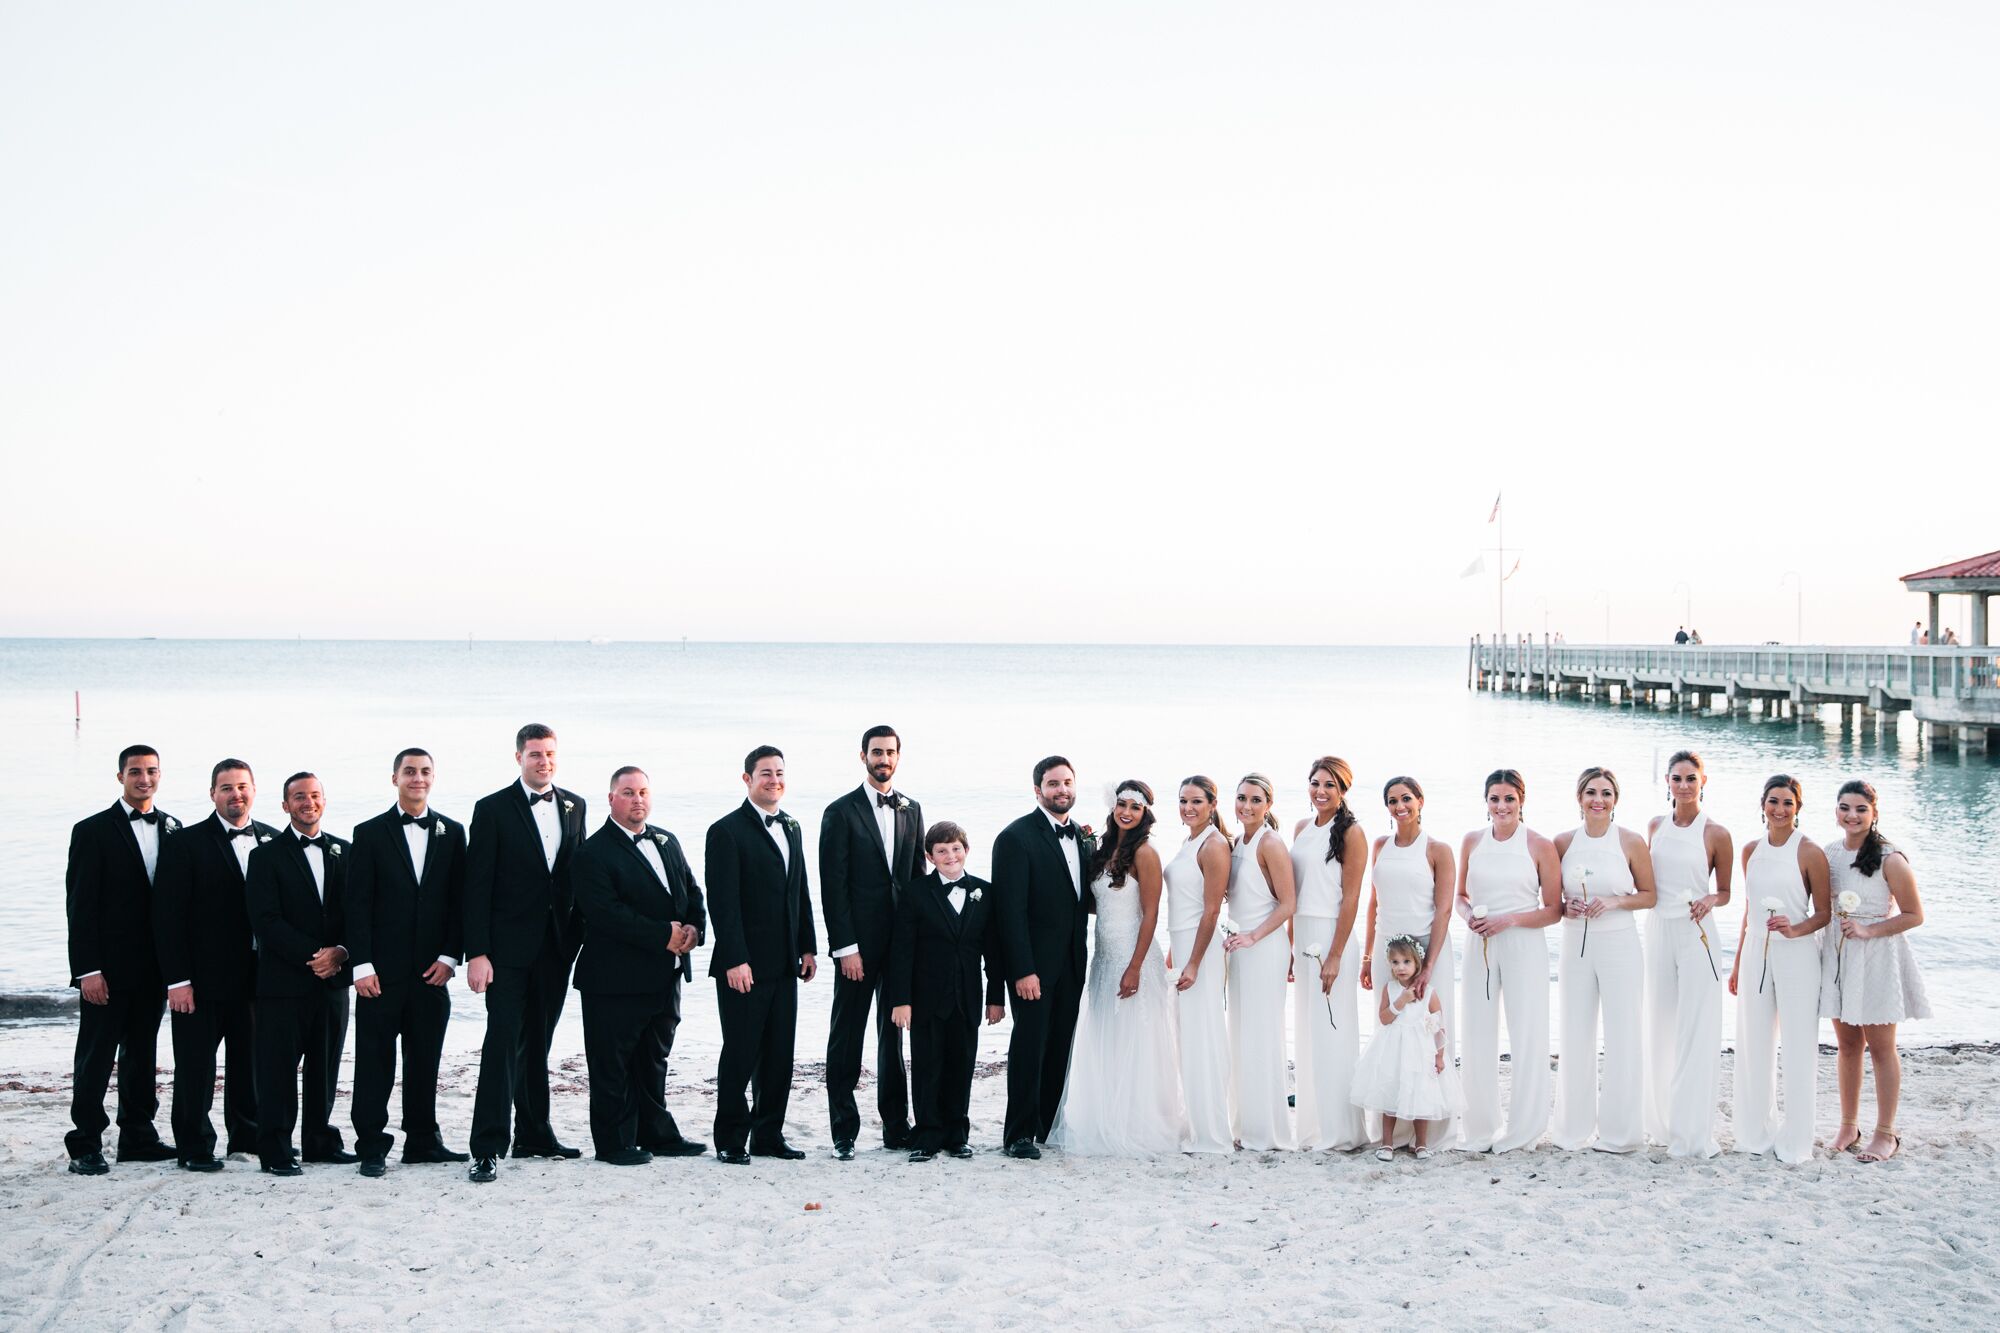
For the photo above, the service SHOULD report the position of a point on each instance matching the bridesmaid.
(1683, 983)
(1197, 881)
(1260, 904)
(1329, 862)
(1868, 976)
(1413, 880)
(1509, 893)
(1607, 876)
(1777, 1020)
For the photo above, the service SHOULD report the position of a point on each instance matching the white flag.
(1478, 566)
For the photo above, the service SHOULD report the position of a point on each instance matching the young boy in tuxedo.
(944, 929)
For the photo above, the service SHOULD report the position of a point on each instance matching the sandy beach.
(1530, 1240)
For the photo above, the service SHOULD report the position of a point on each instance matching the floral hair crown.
(1411, 943)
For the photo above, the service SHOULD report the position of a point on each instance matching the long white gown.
(1406, 904)
(1123, 1097)
(1203, 1026)
(1326, 1026)
(1257, 1105)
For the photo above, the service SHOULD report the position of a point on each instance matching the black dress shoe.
(374, 1167)
(960, 1151)
(843, 1150)
(152, 1152)
(677, 1148)
(625, 1157)
(201, 1163)
(285, 1168)
(90, 1164)
(483, 1171)
(1024, 1149)
(432, 1153)
(551, 1149)
(333, 1157)
(923, 1154)
(732, 1156)
(781, 1150)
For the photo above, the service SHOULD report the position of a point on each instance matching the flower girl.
(1405, 1073)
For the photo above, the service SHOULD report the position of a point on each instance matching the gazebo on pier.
(1977, 578)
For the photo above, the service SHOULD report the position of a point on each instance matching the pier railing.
(1903, 674)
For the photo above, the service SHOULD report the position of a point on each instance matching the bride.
(1123, 1097)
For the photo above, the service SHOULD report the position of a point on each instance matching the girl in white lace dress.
(1405, 1074)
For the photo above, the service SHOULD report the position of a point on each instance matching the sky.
(1091, 322)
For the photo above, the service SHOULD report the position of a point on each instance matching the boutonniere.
(170, 824)
(437, 829)
(660, 838)
(333, 849)
(263, 837)
(975, 895)
(791, 825)
(1086, 834)
(569, 805)
(902, 803)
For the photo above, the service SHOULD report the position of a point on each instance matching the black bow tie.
(638, 837)
(424, 820)
(889, 800)
(549, 795)
(150, 816)
(771, 819)
(1064, 830)
(304, 842)
(247, 831)
(950, 884)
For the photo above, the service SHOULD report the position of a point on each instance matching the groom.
(1044, 909)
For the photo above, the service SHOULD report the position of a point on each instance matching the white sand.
(1531, 1239)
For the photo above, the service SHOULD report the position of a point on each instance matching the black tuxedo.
(760, 914)
(520, 914)
(109, 900)
(400, 924)
(934, 968)
(299, 1015)
(201, 931)
(1044, 920)
(631, 985)
(860, 880)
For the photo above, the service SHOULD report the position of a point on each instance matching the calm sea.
(973, 719)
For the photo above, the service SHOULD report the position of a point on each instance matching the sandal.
(1895, 1145)
(1848, 1146)
(1425, 1154)
(1385, 1154)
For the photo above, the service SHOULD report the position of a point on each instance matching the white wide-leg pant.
(1519, 964)
(1444, 985)
(1683, 1032)
(1777, 1032)
(1605, 974)
(1204, 1046)
(1327, 1047)
(1257, 1097)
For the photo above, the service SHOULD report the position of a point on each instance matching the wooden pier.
(1954, 692)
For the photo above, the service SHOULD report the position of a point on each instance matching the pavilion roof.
(1977, 567)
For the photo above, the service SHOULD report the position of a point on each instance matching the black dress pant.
(230, 1024)
(1038, 1055)
(758, 1030)
(523, 1006)
(846, 1035)
(292, 1029)
(126, 1032)
(942, 1054)
(415, 1012)
(626, 1040)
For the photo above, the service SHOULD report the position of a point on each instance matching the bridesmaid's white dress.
(1257, 1096)
(1204, 1033)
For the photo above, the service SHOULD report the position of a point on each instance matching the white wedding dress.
(1123, 1096)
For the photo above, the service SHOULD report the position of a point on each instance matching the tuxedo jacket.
(110, 900)
(511, 894)
(936, 955)
(291, 921)
(629, 916)
(860, 879)
(201, 922)
(1043, 919)
(398, 923)
(758, 908)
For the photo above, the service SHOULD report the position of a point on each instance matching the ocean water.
(974, 719)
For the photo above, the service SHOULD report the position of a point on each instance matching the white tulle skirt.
(1398, 1073)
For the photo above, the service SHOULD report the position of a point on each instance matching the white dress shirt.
(651, 851)
(418, 839)
(1071, 850)
(777, 832)
(316, 862)
(548, 820)
(955, 891)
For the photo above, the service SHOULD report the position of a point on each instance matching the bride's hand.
(1128, 985)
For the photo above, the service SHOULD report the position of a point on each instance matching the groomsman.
(201, 929)
(763, 947)
(1045, 908)
(522, 932)
(296, 887)
(108, 894)
(643, 916)
(944, 930)
(869, 848)
(405, 937)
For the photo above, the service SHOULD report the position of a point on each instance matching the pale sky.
(1045, 322)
